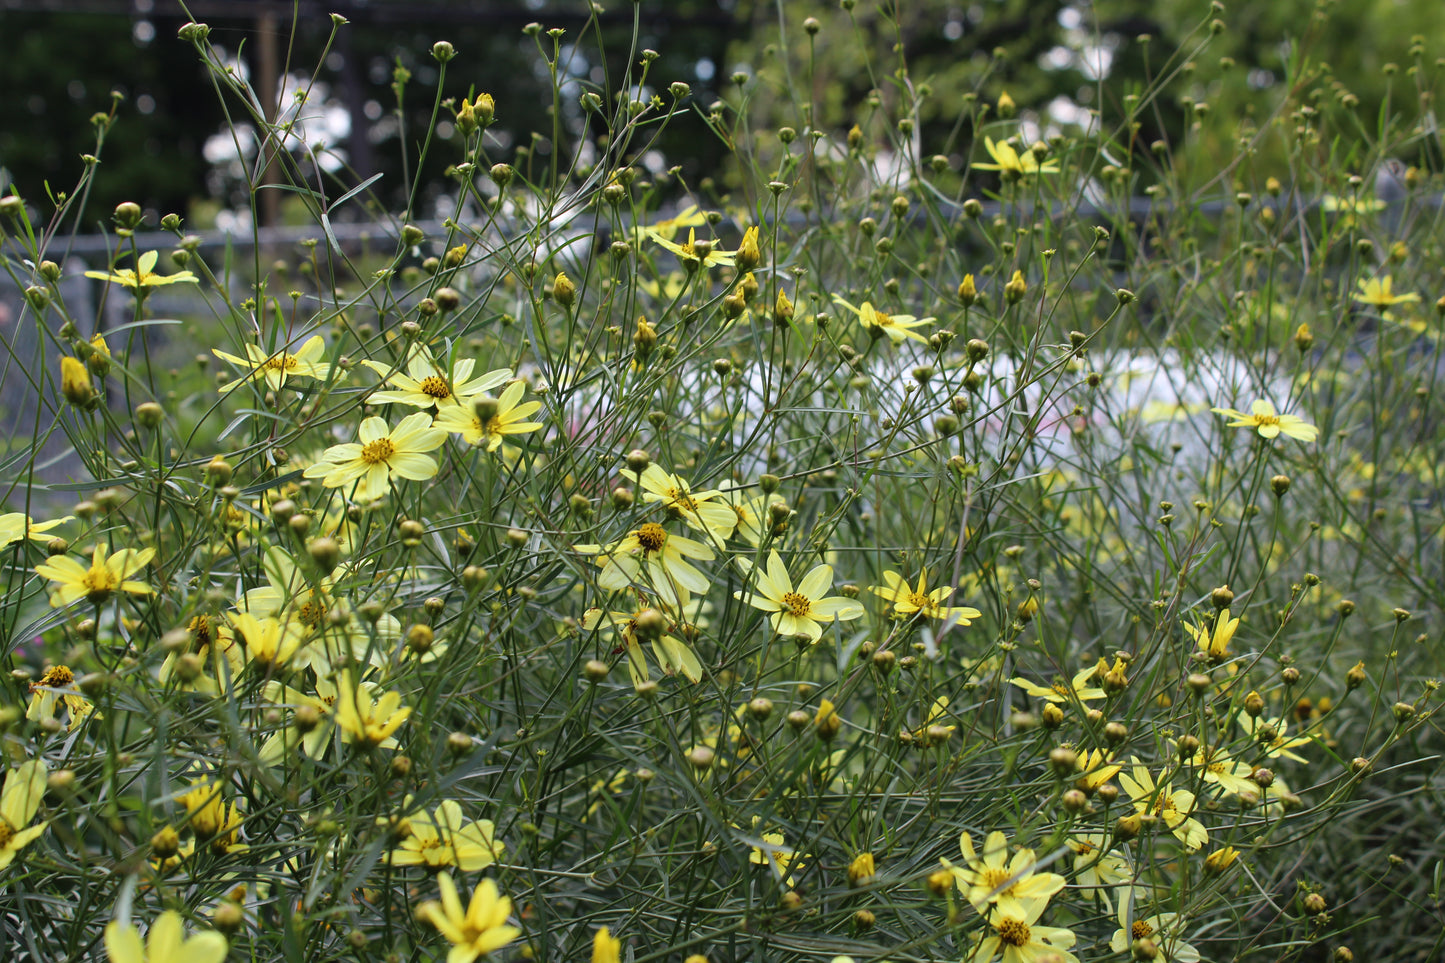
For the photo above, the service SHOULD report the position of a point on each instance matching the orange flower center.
(56, 677)
(311, 612)
(200, 629)
(7, 833)
(993, 877)
(378, 452)
(1014, 932)
(435, 387)
(1266, 419)
(282, 362)
(651, 537)
(1141, 930)
(797, 605)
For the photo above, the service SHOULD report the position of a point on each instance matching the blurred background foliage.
(1066, 64)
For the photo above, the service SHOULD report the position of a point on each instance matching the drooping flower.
(19, 801)
(673, 655)
(993, 878)
(446, 838)
(426, 382)
(800, 611)
(217, 650)
(364, 720)
(1170, 805)
(896, 326)
(1272, 735)
(1270, 423)
(279, 366)
(1076, 690)
(54, 689)
(488, 421)
(1214, 642)
(166, 943)
(775, 852)
(144, 275)
(476, 931)
(106, 575)
(15, 526)
(910, 601)
(1377, 292)
(380, 455)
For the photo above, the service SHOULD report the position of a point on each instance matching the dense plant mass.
(917, 552)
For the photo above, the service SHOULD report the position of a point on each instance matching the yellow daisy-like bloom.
(207, 811)
(96, 584)
(477, 930)
(1377, 292)
(270, 642)
(15, 526)
(750, 514)
(1096, 767)
(381, 454)
(1273, 736)
(1214, 642)
(910, 601)
(896, 326)
(668, 227)
(777, 855)
(278, 367)
(654, 556)
(366, 721)
(1096, 869)
(445, 838)
(695, 253)
(705, 511)
(1270, 423)
(289, 739)
(1172, 806)
(1017, 936)
(605, 947)
(213, 643)
(166, 943)
(1220, 769)
(994, 878)
(144, 275)
(426, 382)
(1011, 164)
(18, 803)
(1161, 929)
(488, 421)
(1075, 690)
(800, 611)
(54, 689)
(673, 655)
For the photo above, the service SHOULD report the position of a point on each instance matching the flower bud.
(564, 292)
(75, 382)
(443, 51)
(485, 109)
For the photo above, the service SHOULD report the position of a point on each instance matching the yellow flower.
(1273, 736)
(1076, 690)
(800, 611)
(1221, 859)
(444, 838)
(907, 601)
(1096, 869)
(1096, 767)
(427, 382)
(270, 642)
(652, 555)
(695, 253)
(16, 525)
(775, 853)
(57, 685)
(18, 803)
(144, 276)
(748, 256)
(667, 228)
(673, 655)
(995, 878)
(278, 367)
(605, 947)
(477, 930)
(75, 382)
(1160, 929)
(216, 648)
(166, 943)
(1215, 642)
(1376, 291)
(289, 739)
(364, 720)
(1011, 164)
(1173, 807)
(861, 870)
(1017, 935)
(489, 420)
(1221, 770)
(1270, 423)
(896, 326)
(106, 575)
(704, 511)
(380, 455)
(210, 817)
